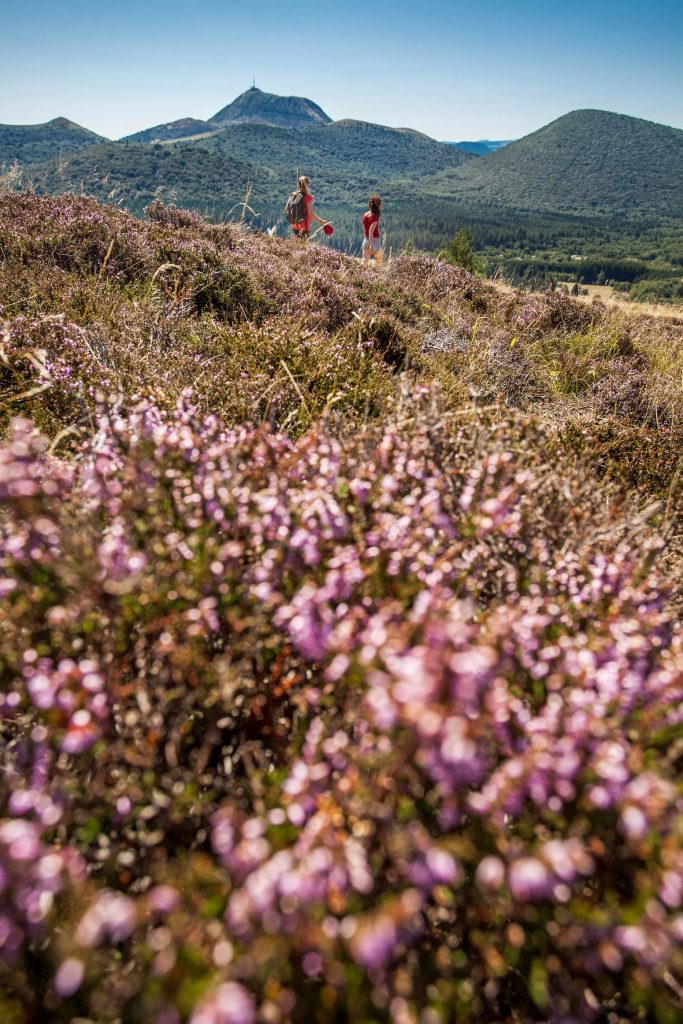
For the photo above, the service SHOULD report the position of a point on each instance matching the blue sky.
(451, 69)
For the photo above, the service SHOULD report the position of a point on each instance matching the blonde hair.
(303, 185)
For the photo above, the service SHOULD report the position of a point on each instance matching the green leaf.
(538, 984)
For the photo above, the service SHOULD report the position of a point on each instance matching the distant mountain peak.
(57, 123)
(33, 143)
(257, 107)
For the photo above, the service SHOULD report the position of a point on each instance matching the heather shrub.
(640, 458)
(211, 284)
(622, 391)
(511, 373)
(360, 727)
(170, 216)
(73, 234)
(340, 645)
(389, 338)
(49, 364)
(437, 280)
(577, 362)
(537, 314)
(54, 371)
(150, 287)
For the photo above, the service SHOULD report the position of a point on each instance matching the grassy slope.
(612, 372)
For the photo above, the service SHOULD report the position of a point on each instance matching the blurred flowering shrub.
(374, 717)
(379, 724)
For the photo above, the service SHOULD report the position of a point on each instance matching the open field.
(341, 662)
(607, 294)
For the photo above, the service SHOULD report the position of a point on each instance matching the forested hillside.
(30, 143)
(587, 162)
(343, 149)
(134, 174)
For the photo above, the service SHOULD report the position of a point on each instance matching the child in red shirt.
(372, 243)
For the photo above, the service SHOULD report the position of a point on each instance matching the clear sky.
(455, 70)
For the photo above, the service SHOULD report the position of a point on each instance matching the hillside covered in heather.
(341, 660)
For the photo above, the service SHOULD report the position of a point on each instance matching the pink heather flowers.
(377, 720)
(470, 753)
(230, 1004)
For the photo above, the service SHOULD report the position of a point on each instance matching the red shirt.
(371, 224)
(305, 225)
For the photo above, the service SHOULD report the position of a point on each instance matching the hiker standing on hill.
(299, 210)
(372, 243)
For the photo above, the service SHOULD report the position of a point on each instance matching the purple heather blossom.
(529, 880)
(376, 655)
(112, 916)
(69, 976)
(490, 873)
(163, 899)
(373, 943)
(633, 822)
(229, 1004)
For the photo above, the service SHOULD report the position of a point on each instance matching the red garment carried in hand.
(371, 224)
(305, 225)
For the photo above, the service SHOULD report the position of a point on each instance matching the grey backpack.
(295, 208)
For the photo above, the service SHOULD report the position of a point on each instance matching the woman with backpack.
(372, 243)
(299, 210)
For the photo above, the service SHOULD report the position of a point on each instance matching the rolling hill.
(343, 147)
(29, 143)
(589, 162)
(346, 160)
